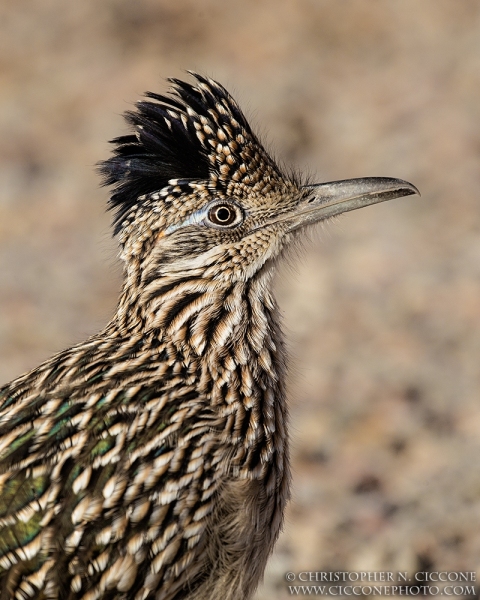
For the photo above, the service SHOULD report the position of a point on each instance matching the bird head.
(196, 194)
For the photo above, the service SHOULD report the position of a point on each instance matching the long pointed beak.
(336, 197)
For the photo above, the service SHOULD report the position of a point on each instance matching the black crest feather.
(166, 143)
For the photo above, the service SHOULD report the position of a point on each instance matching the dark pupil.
(223, 214)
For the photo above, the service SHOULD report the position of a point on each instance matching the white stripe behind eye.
(194, 219)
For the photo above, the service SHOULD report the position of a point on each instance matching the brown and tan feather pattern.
(151, 461)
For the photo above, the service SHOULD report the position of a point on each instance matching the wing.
(107, 484)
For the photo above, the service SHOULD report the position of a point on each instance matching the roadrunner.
(151, 461)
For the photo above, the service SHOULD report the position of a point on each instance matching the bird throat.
(223, 340)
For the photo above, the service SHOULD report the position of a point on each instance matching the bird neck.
(228, 339)
(199, 314)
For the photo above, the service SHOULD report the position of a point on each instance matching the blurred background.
(382, 309)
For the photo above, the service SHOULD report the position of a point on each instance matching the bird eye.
(225, 214)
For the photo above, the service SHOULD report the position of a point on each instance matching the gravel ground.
(383, 305)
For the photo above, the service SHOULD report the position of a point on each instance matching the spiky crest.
(197, 132)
